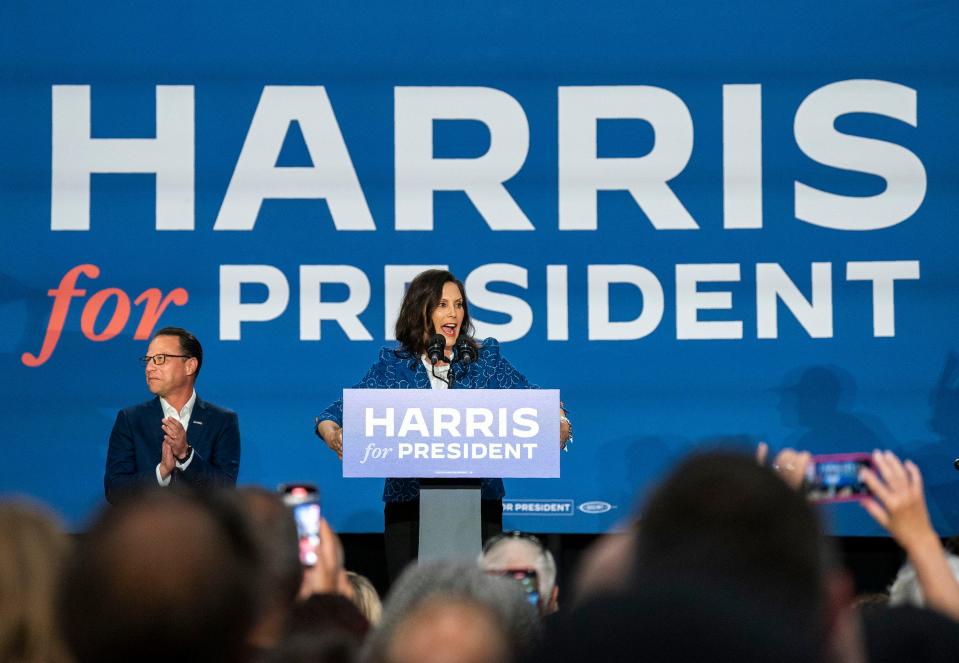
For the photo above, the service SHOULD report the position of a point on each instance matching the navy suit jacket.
(134, 451)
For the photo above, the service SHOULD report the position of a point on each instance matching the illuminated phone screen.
(304, 500)
(835, 477)
(307, 517)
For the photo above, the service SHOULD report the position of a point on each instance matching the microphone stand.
(448, 380)
(457, 357)
(437, 349)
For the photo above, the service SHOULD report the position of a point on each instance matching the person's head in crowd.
(274, 530)
(365, 596)
(907, 634)
(510, 553)
(673, 620)
(324, 628)
(165, 576)
(452, 612)
(722, 518)
(449, 630)
(329, 612)
(607, 565)
(316, 647)
(33, 548)
(720, 514)
(906, 588)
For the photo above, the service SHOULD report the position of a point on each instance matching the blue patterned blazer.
(398, 369)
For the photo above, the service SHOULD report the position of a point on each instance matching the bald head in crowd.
(452, 612)
(163, 577)
(448, 630)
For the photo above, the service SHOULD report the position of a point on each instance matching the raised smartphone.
(304, 500)
(835, 477)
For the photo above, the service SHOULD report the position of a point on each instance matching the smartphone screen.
(307, 516)
(304, 500)
(835, 477)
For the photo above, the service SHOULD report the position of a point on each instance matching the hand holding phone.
(304, 500)
(789, 463)
(898, 502)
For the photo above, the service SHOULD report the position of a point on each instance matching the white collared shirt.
(183, 416)
(443, 371)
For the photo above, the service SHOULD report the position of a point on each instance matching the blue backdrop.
(707, 224)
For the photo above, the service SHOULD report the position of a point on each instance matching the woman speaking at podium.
(433, 324)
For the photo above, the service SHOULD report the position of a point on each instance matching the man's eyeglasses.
(159, 359)
(514, 535)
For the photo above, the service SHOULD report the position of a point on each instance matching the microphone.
(463, 351)
(436, 348)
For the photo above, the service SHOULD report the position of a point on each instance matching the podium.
(450, 525)
(450, 440)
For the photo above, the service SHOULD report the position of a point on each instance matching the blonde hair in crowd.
(33, 548)
(365, 597)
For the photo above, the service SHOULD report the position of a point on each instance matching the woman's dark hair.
(414, 325)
